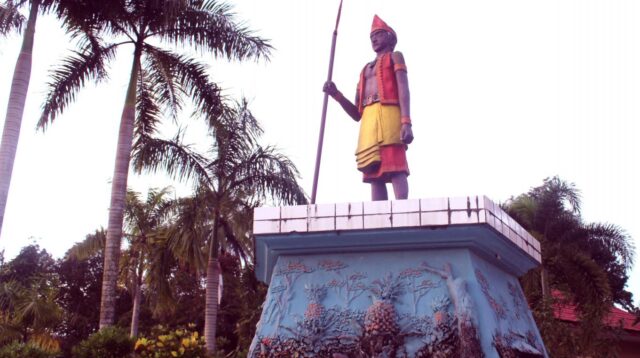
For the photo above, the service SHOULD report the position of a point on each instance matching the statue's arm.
(402, 80)
(351, 109)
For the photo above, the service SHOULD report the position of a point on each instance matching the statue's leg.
(379, 191)
(400, 185)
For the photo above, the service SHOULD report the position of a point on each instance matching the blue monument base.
(451, 291)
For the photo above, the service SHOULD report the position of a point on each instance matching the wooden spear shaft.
(325, 103)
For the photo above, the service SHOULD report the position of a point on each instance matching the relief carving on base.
(378, 331)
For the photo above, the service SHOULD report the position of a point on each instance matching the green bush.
(21, 350)
(110, 342)
(181, 342)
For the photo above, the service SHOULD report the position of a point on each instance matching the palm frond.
(190, 231)
(556, 191)
(45, 341)
(232, 241)
(37, 307)
(523, 208)
(162, 80)
(177, 159)
(615, 241)
(161, 261)
(585, 279)
(268, 173)
(10, 291)
(212, 27)
(188, 75)
(74, 72)
(148, 114)
(92, 244)
(77, 15)
(10, 18)
(9, 331)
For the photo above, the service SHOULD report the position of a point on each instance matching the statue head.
(383, 37)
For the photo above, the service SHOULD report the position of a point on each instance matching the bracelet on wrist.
(405, 120)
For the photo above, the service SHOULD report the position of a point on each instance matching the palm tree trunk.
(118, 194)
(137, 297)
(211, 293)
(544, 282)
(15, 108)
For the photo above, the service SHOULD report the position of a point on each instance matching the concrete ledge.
(397, 214)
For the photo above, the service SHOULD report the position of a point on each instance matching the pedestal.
(409, 278)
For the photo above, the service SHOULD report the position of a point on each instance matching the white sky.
(504, 93)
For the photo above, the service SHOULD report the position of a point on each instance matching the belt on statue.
(370, 100)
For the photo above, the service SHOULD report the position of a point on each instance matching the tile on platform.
(405, 206)
(291, 225)
(322, 224)
(505, 229)
(482, 216)
(503, 215)
(405, 219)
(434, 218)
(460, 203)
(496, 223)
(349, 209)
(513, 236)
(266, 227)
(537, 256)
(322, 210)
(294, 212)
(535, 243)
(377, 207)
(531, 251)
(266, 213)
(464, 217)
(482, 202)
(434, 204)
(491, 220)
(349, 222)
(377, 221)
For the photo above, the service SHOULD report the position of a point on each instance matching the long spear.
(324, 110)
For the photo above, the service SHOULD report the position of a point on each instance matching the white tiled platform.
(433, 212)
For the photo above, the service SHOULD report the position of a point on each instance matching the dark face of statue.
(381, 41)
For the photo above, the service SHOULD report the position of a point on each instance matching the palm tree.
(146, 223)
(10, 19)
(236, 176)
(159, 79)
(147, 259)
(587, 262)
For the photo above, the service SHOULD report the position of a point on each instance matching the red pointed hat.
(378, 24)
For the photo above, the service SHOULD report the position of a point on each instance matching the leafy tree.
(31, 263)
(28, 311)
(79, 283)
(160, 79)
(587, 263)
(237, 175)
(80, 275)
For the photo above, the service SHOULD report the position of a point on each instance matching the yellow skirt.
(379, 126)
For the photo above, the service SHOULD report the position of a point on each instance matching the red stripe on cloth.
(393, 159)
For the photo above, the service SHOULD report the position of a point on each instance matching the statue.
(382, 108)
